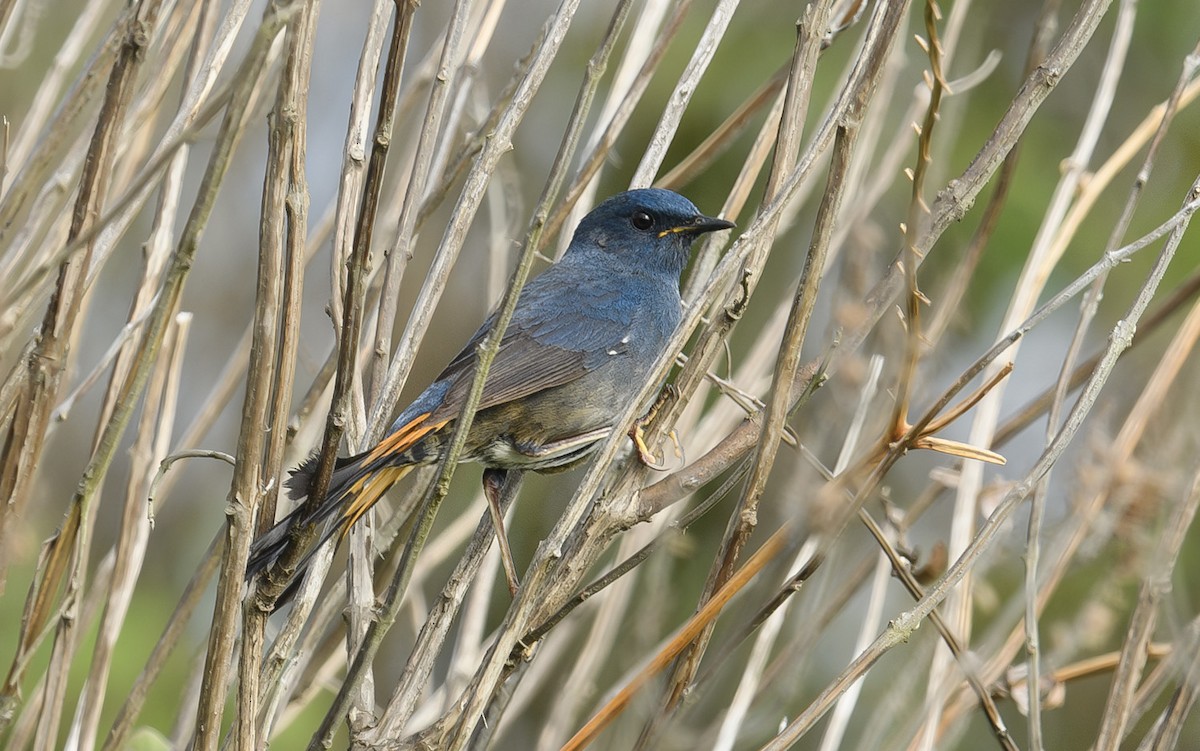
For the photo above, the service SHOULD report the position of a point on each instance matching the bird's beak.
(699, 226)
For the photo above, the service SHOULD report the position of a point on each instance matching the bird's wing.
(523, 366)
(545, 345)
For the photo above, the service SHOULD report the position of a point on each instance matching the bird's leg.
(494, 482)
(637, 432)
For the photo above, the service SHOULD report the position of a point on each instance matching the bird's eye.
(641, 220)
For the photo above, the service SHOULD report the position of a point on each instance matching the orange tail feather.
(357, 484)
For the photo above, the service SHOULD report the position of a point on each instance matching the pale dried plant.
(836, 370)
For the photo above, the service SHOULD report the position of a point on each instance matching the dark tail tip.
(265, 550)
(267, 547)
(300, 477)
(270, 544)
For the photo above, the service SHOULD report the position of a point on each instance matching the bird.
(579, 346)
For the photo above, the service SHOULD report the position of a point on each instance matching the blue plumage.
(581, 341)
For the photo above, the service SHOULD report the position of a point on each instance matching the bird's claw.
(682, 457)
(644, 454)
(638, 433)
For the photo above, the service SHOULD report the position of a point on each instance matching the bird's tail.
(358, 482)
(348, 499)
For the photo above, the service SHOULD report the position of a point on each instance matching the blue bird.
(579, 346)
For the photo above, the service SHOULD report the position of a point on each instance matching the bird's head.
(650, 227)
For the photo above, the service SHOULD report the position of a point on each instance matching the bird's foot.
(643, 451)
(638, 431)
